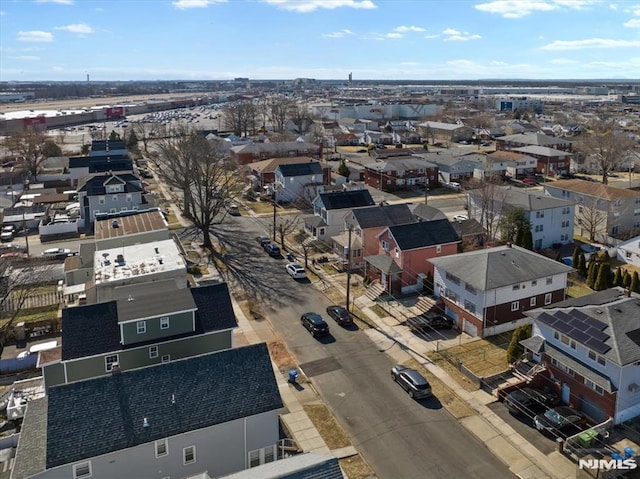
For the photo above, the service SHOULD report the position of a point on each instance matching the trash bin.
(293, 375)
(560, 445)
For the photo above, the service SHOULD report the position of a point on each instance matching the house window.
(562, 367)
(321, 230)
(82, 470)
(397, 252)
(532, 301)
(385, 245)
(189, 455)
(109, 361)
(568, 341)
(261, 456)
(516, 287)
(114, 198)
(166, 358)
(438, 248)
(534, 283)
(101, 200)
(452, 278)
(591, 385)
(470, 288)
(164, 323)
(539, 214)
(547, 298)
(549, 280)
(113, 210)
(469, 306)
(141, 327)
(153, 352)
(515, 306)
(254, 458)
(597, 358)
(162, 448)
(129, 198)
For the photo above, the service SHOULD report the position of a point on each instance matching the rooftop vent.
(145, 423)
(130, 298)
(157, 250)
(115, 224)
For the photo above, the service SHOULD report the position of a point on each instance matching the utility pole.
(349, 267)
(273, 198)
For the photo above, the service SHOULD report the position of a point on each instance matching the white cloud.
(61, 2)
(515, 8)
(590, 43)
(394, 35)
(405, 29)
(613, 6)
(305, 6)
(431, 36)
(26, 57)
(563, 61)
(452, 35)
(80, 28)
(186, 4)
(35, 36)
(633, 23)
(339, 34)
(2, 13)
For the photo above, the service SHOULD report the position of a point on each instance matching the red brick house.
(400, 172)
(252, 152)
(403, 253)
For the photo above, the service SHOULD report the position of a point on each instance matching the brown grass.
(379, 310)
(460, 378)
(482, 357)
(280, 355)
(327, 426)
(449, 400)
(355, 468)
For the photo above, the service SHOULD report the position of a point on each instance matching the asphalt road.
(399, 437)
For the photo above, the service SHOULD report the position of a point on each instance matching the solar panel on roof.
(547, 319)
(562, 326)
(578, 324)
(579, 314)
(634, 336)
(578, 335)
(599, 335)
(562, 316)
(594, 323)
(597, 346)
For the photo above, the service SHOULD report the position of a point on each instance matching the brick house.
(252, 152)
(400, 173)
(263, 173)
(401, 263)
(591, 347)
(488, 291)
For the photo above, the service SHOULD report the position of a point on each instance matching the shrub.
(515, 349)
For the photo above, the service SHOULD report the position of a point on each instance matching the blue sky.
(323, 39)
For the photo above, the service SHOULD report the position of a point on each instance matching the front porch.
(385, 270)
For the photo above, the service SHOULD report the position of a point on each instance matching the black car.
(560, 421)
(315, 324)
(427, 324)
(340, 314)
(529, 401)
(273, 249)
(263, 240)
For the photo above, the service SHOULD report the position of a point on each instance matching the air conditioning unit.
(634, 387)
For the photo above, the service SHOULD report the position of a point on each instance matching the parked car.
(459, 218)
(296, 271)
(56, 253)
(11, 246)
(560, 420)
(529, 181)
(7, 233)
(273, 249)
(340, 315)
(233, 209)
(411, 381)
(529, 401)
(315, 324)
(263, 240)
(427, 323)
(14, 255)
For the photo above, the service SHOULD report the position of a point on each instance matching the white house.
(488, 291)
(330, 211)
(298, 181)
(216, 413)
(629, 251)
(591, 347)
(551, 218)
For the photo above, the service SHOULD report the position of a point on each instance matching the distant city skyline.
(66, 40)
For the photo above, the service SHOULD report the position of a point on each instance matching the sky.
(64, 40)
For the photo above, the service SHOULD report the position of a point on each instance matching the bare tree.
(307, 243)
(591, 217)
(278, 111)
(32, 148)
(606, 144)
(241, 117)
(204, 175)
(486, 204)
(145, 132)
(16, 286)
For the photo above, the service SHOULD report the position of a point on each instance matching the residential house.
(101, 148)
(551, 219)
(602, 210)
(401, 263)
(512, 142)
(144, 325)
(551, 162)
(365, 224)
(217, 413)
(252, 152)
(310, 465)
(298, 182)
(470, 232)
(108, 192)
(629, 251)
(487, 291)
(436, 131)
(453, 166)
(81, 166)
(426, 212)
(399, 173)
(331, 209)
(263, 173)
(518, 165)
(591, 348)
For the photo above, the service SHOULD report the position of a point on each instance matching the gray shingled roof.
(385, 215)
(521, 198)
(140, 307)
(428, 212)
(423, 234)
(346, 199)
(492, 268)
(30, 454)
(98, 416)
(384, 263)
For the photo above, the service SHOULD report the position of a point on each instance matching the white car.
(295, 271)
(56, 253)
(459, 218)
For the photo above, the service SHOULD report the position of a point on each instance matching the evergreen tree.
(604, 256)
(602, 280)
(591, 275)
(515, 349)
(527, 241)
(626, 279)
(575, 259)
(132, 141)
(343, 169)
(582, 266)
(559, 258)
(519, 240)
(635, 282)
(617, 278)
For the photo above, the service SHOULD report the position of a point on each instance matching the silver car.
(411, 381)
